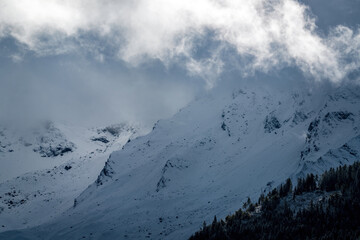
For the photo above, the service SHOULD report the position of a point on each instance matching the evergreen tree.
(334, 216)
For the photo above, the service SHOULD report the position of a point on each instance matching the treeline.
(334, 215)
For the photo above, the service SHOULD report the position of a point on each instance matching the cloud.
(16, 58)
(194, 34)
(82, 91)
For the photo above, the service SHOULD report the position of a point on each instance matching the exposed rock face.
(271, 124)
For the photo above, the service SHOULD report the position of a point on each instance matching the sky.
(95, 62)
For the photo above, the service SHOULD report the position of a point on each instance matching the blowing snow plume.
(267, 34)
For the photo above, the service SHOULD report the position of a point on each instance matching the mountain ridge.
(207, 159)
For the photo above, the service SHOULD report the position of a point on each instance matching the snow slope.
(34, 147)
(240, 139)
(59, 176)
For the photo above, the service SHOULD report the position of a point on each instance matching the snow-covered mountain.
(48, 165)
(237, 141)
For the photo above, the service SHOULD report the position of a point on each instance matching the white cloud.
(271, 33)
(207, 69)
(16, 58)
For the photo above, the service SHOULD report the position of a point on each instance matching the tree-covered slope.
(325, 207)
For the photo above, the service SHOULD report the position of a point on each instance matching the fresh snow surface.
(53, 178)
(237, 141)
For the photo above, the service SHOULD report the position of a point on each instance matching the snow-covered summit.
(208, 158)
(52, 164)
